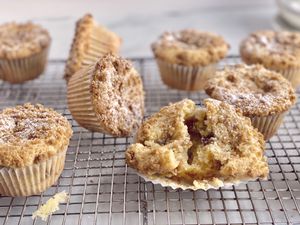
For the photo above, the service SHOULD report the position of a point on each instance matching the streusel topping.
(83, 49)
(30, 134)
(253, 89)
(277, 50)
(194, 147)
(118, 95)
(21, 40)
(190, 47)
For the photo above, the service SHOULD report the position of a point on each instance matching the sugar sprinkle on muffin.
(259, 93)
(275, 50)
(32, 138)
(107, 96)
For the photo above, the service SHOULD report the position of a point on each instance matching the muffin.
(187, 58)
(278, 51)
(107, 96)
(33, 145)
(190, 147)
(90, 41)
(263, 95)
(23, 51)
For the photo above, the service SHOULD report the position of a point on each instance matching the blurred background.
(140, 22)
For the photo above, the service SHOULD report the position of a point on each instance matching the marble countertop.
(140, 22)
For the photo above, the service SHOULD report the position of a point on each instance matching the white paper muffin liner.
(33, 179)
(205, 185)
(80, 100)
(185, 77)
(23, 69)
(99, 45)
(293, 75)
(268, 125)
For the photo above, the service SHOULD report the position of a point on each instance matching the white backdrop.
(140, 22)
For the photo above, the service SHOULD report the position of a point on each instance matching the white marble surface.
(140, 22)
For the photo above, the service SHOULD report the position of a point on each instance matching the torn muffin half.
(190, 147)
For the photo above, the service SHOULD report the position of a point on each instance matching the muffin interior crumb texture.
(190, 47)
(21, 40)
(196, 147)
(118, 95)
(253, 89)
(30, 134)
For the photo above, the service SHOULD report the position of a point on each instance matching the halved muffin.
(90, 42)
(198, 148)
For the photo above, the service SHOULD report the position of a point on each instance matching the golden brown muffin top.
(117, 95)
(253, 89)
(275, 50)
(198, 148)
(190, 47)
(30, 134)
(18, 40)
(87, 29)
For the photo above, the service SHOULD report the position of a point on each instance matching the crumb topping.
(118, 95)
(30, 134)
(276, 50)
(253, 89)
(190, 47)
(21, 40)
(87, 29)
(195, 146)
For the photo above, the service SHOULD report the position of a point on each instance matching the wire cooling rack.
(103, 190)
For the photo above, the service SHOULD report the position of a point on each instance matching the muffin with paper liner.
(262, 95)
(190, 147)
(33, 144)
(91, 41)
(187, 58)
(107, 96)
(275, 50)
(24, 51)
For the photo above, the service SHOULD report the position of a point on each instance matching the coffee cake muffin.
(33, 145)
(23, 51)
(278, 51)
(91, 40)
(188, 57)
(185, 146)
(263, 95)
(107, 97)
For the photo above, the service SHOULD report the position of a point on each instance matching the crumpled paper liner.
(185, 77)
(268, 125)
(205, 185)
(31, 180)
(23, 69)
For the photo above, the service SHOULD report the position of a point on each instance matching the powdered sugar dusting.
(253, 89)
(118, 95)
(273, 49)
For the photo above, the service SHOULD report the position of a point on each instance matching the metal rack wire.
(104, 191)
